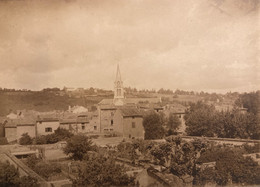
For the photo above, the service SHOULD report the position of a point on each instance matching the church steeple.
(118, 89)
(118, 74)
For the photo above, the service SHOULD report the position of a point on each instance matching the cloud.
(195, 45)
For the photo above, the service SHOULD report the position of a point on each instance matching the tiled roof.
(26, 121)
(11, 123)
(131, 112)
(68, 121)
(44, 119)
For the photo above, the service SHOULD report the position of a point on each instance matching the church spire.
(118, 74)
(119, 90)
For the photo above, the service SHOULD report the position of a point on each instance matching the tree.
(102, 171)
(231, 166)
(77, 146)
(153, 125)
(200, 120)
(173, 123)
(251, 101)
(25, 139)
(9, 176)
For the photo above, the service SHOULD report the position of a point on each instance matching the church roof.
(131, 112)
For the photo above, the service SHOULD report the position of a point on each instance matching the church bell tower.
(118, 89)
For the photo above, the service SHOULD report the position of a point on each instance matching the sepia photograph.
(139, 93)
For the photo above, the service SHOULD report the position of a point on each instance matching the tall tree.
(153, 125)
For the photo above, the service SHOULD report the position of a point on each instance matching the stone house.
(11, 130)
(26, 126)
(128, 122)
(45, 126)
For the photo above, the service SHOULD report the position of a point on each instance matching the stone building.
(108, 107)
(45, 126)
(128, 122)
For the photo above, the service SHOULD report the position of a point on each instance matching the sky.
(199, 45)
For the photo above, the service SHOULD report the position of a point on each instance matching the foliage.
(173, 124)
(3, 141)
(178, 156)
(251, 101)
(203, 120)
(252, 149)
(47, 170)
(9, 176)
(32, 161)
(58, 135)
(77, 146)
(25, 139)
(63, 134)
(47, 139)
(102, 171)
(26, 181)
(200, 120)
(230, 166)
(153, 125)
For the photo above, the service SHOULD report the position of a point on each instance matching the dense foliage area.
(44, 169)
(58, 135)
(203, 120)
(224, 165)
(98, 170)
(77, 146)
(9, 176)
(153, 125)
(230, 165)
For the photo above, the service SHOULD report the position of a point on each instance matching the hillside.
(42, 101)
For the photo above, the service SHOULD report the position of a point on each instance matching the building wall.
(129, 131)
(123, 126)
(94, 124)
(118, 123)
(77, 127)
(10, 133)
(30, 129)
(2, 130)
(40, 128)
(105, 120)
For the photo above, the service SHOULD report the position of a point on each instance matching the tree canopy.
(77, 146)
(153, 125)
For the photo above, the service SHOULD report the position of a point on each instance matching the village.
(115, 125)
(129, 93)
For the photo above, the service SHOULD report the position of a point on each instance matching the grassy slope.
(41, 101)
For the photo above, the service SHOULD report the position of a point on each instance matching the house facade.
(128, 122)
(45, 126)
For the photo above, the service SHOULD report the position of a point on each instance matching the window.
(48, 129)
(112, 122)
(133, 124)
(179, 116)
(111, 129)
(95, 127)
(83, 126)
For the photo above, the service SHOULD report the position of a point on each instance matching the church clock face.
(118, 83)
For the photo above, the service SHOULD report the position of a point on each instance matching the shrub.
(25, 139)
(47, 170)
(102, 171)
(58, 135)
(78, 146)
(9, 176)
(63, 134)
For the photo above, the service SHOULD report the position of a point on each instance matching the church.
(121, 115)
